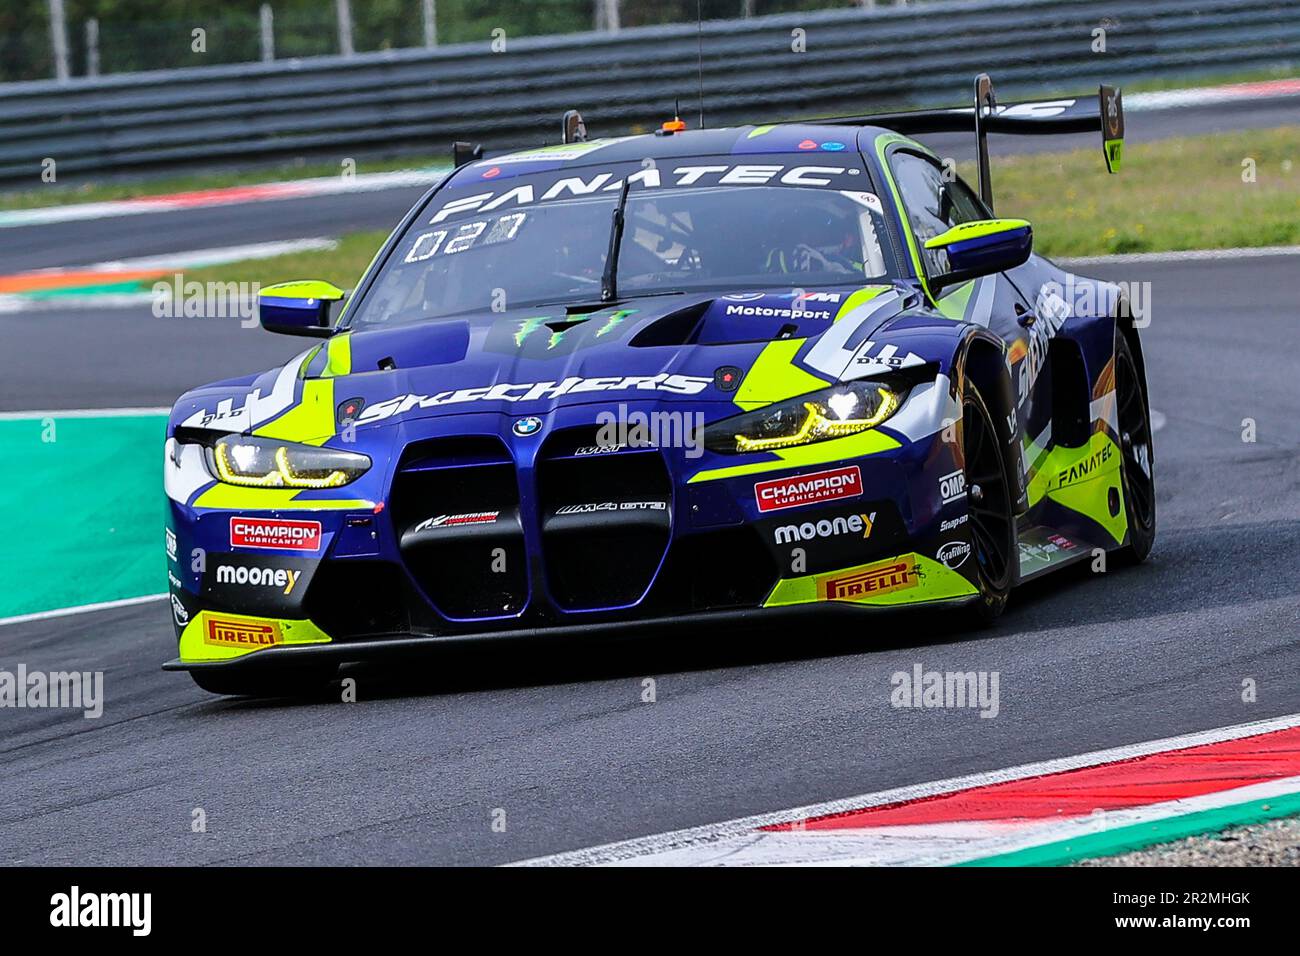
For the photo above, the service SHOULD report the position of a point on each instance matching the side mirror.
(298, 308)
(979, 248)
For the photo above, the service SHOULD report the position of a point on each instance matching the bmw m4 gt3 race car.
(683, 377)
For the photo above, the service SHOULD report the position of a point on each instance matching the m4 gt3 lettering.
(809, 489)
(596, 506)
(535, 391)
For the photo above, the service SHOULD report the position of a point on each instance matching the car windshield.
(675, 240)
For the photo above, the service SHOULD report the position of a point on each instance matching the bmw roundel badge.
(528, 426)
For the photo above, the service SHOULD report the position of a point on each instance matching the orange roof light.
(674, 125)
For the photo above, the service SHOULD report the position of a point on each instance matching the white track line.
(86, 413)
(230, 196)
(80, 609)
(1187, 255)
(629, 850)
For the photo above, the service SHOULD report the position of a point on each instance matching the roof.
(812, 139)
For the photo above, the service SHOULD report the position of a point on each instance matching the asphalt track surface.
(559, 738)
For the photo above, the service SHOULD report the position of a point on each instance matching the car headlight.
(834, 412)
(267, 463)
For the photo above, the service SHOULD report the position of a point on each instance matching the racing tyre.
(988, 494)
(1137, 458)
(298, 683)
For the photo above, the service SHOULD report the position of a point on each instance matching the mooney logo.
(277, 534)
(226, 633)
(859, 524)
(868, 581)
(808, 489)
(281, 578)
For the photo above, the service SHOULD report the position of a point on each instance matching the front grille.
(455, 510)
(606, 520)
(713, 570)
(352, 599)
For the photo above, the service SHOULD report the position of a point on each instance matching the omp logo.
(229, 633)
(870, 580)
(281, 578)
(808, 489)
(952, 486)
(277, 534)
(859, 524)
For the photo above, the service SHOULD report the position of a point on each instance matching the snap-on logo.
(277, 534)
(809, 489)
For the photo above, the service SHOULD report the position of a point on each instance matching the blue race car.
(687, 377)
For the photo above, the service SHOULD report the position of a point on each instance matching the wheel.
(1137, 455)
(275, 683)
(988, 497)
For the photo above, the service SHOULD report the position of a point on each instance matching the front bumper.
(747, 625)
(366, 582)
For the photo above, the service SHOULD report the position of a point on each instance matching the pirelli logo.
(248, 634)
(869, 580)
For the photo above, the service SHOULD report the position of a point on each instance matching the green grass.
(41, 195)
(342, 266)
(1172, 194)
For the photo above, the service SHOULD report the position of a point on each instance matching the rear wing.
(1036, 118)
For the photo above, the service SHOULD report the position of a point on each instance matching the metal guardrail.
(854, 59)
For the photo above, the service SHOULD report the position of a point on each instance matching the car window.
(934, 202)
(728, 238)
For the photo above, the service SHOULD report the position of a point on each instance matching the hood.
(696, 347)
